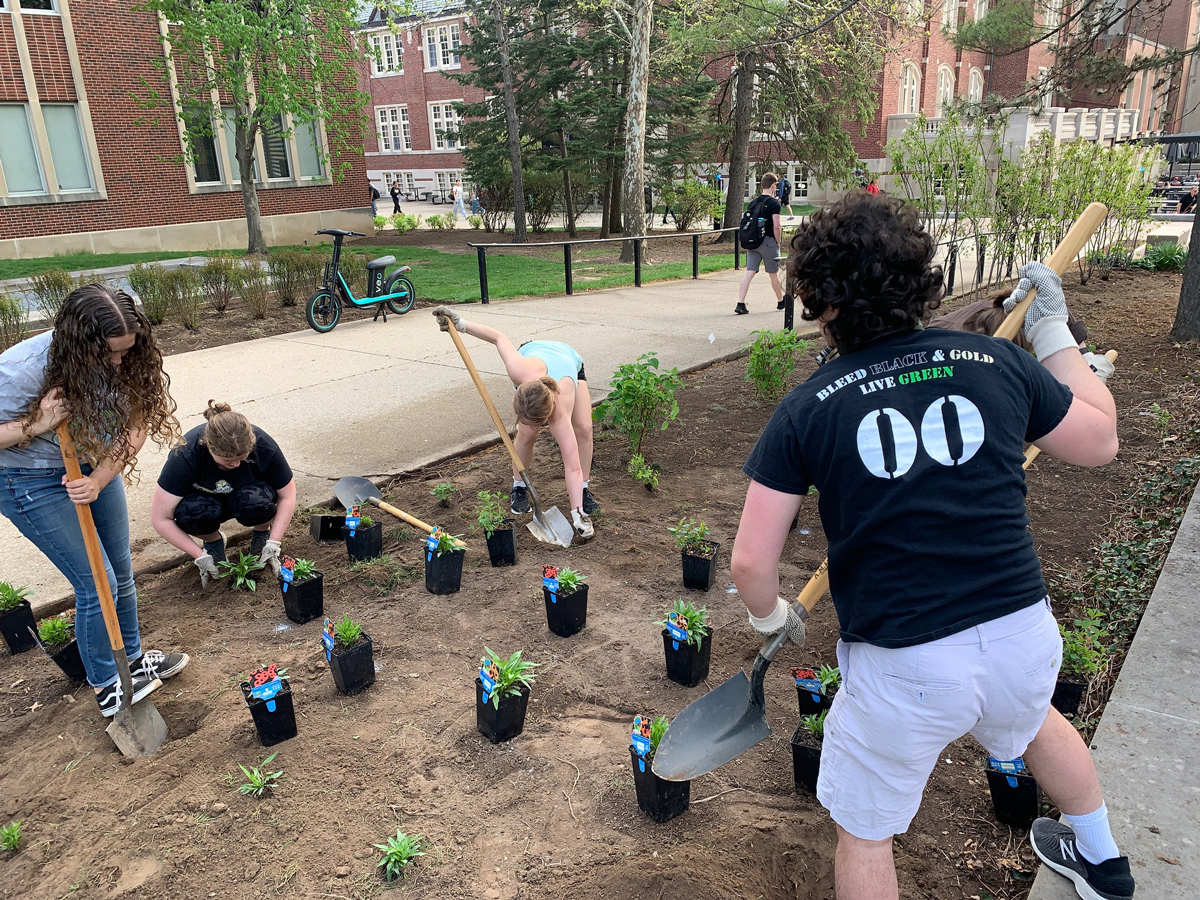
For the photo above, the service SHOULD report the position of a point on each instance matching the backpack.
(753, 228)
(785, 190)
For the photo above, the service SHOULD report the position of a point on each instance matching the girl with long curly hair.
(101, 372)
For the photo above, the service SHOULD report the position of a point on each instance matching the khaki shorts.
(767, 253)
(898, 709)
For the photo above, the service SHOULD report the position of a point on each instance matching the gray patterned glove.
(445, 315)
(784, 618)
(1046, 318)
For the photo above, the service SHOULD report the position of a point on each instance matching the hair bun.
(550, 383)
(216, 409)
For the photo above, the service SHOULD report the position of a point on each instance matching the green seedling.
(771, 360)
(690, 536)
(512, 674)
(242, 571)
(347, 631)
(56, 630)
(365, 522)
(569, 581)
(643, 473)
(489, 511)
(814, 724)
(1083, 653)
(830, 678)
(641, 399)
(398, 852)
(10, 836)
(11, 596)
(446, 542)
(304, 569)
(444, 492)
(658, 728)
(696, 618)
(257, 781)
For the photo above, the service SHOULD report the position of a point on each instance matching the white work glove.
(1046, 318)
(270, 555)
(445, 315)
(1101, 365)
(784, 618)
(583, 524)
(208, 569)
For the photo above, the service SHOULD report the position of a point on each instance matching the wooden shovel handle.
(411, 520)
(91, 540)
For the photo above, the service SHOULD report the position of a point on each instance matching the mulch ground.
(553, 812)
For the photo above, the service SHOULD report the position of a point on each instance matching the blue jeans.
(37, 503)
(459, 208)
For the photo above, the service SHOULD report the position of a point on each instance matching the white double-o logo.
(951, 432)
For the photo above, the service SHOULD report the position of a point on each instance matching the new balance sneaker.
(258, 540)
(741, 310)
(216, 549)
(109, 698)
(520, 499)
(156, 664)
(590, 506)
(1055, 843)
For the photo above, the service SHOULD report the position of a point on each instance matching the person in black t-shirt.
(225, 469)
(767, 252)
(914, 439)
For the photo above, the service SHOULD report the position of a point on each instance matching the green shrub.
(13, 329)
(186, 291)
(475, 221)
(772, 359)
(543, 194)
(404, 223)
(219, 281)
(444, 492)
(497, 201)
(293, 274)
(511, 674)
(1165, 258)
(1083, 653)
(353, 266)
(254, 284)
(149, 282)
(380, 222)
(440, 223)
(643, 473)
(641, 399)
(490, 511)
(693, 201)
(689, 535)
(50, 288)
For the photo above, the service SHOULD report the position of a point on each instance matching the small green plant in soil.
(444, 492)
(772, 359)
(814, 724)
(55, 631)
(11, 596)
(695, 617)
(304, 569)
(365, 522)
(830, 678)
(690, 536)
(258, 782)
(1083, 653)
(446, 542)
(512, 674)
(398, 852)
(642, 399)
(569, 581)
(241, 573)
(347, 631)
(658, 728)
(643, 474)
(489, 511)
(1162, 417)
(10, 836)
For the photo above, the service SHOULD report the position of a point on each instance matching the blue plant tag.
(489, 672)
(641, 737)
(680, 635)
(353, 519)
(550, 581)
(287, 572)
(1011, 768)
(431, 542)
(327, 639)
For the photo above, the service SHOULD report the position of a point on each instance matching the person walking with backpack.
(760, 232)
(785, 194)
(375, 195)
(395, 192)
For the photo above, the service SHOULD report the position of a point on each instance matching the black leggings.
(251, 504)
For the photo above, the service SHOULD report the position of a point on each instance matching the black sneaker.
(109, 698)
(216, 549)
(258, 540)
(590, 506)
(156, 664)
(741, 310)
(1055, 843)
(520, 499)
(782, 304)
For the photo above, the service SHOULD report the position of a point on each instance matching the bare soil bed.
(553, 812)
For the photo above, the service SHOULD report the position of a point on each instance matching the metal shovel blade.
(354, 490)
(549, 526)
(711, 731)
(138, 730)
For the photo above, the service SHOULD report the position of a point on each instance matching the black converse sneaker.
(590, 506)
(258, 540)
(109, 698)
(156, 664)
(1055, 843)
(216, 549)
(520, 499)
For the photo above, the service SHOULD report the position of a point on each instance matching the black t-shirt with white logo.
(916, 444)
(190, 468)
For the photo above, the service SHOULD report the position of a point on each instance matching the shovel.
(549, 526)
(354, 490)
(137, 729)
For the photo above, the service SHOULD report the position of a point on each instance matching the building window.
(31, 5)
(203, 147)
(915, 9)
(910, 89)
(981, 9)
(445, 180)
(275, 155)
(406, 180)
(975, 86)
(949, 15)
(444, 118)
(1047, 86)
(18, 158)
(66, 146)
(441, 45)
(235, 175)
(1052, 17)
(308, 150)
(945, 89)
(395, 133)
(387, 54)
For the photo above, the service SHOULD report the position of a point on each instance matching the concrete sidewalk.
(372, 399)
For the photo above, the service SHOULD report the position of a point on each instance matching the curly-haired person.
(101, 371)
(914, 439)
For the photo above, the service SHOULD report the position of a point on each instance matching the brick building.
(80, 171)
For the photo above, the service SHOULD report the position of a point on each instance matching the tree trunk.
(568, 193)
(614, 205)
(256, 242)
(739, 144)
(514, 126)
(1187, 316)
(606, 200)
(633, 182)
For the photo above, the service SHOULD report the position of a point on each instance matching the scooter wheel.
(322, 311)
(400, 285)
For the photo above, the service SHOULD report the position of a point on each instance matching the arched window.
(910, 89)
(975, 86)
(945, 89)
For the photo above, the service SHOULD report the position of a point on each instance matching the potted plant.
(499, 531)
(502, 695)
(443, 562)
(1083, 657)
(351, 655)
(241, 574)
(303, 589)
(815, 688)
(699, 554)
(16, 618)
(269, 697)
(326, 527)
(806, 750)
(566, 600)
(364, 536)
(1016, 796)
(687, 643)
(57, 637)
(658, 798)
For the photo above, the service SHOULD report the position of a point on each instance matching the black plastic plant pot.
(806, 760)
(566, 614)
(1016, 799)
(700, 572)
(68, 659)
(367, 543)
(813, 704)
(304, 600)
(503, 723)
(354, 669)
(658, 798)
(687, 664)
(502, 545)
(275, 719)
(17, 627)
(1067, 694)
(443, 574)
(326, 528)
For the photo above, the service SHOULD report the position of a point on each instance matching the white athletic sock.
(518, 483)
(585, 484)
(1093, 835)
